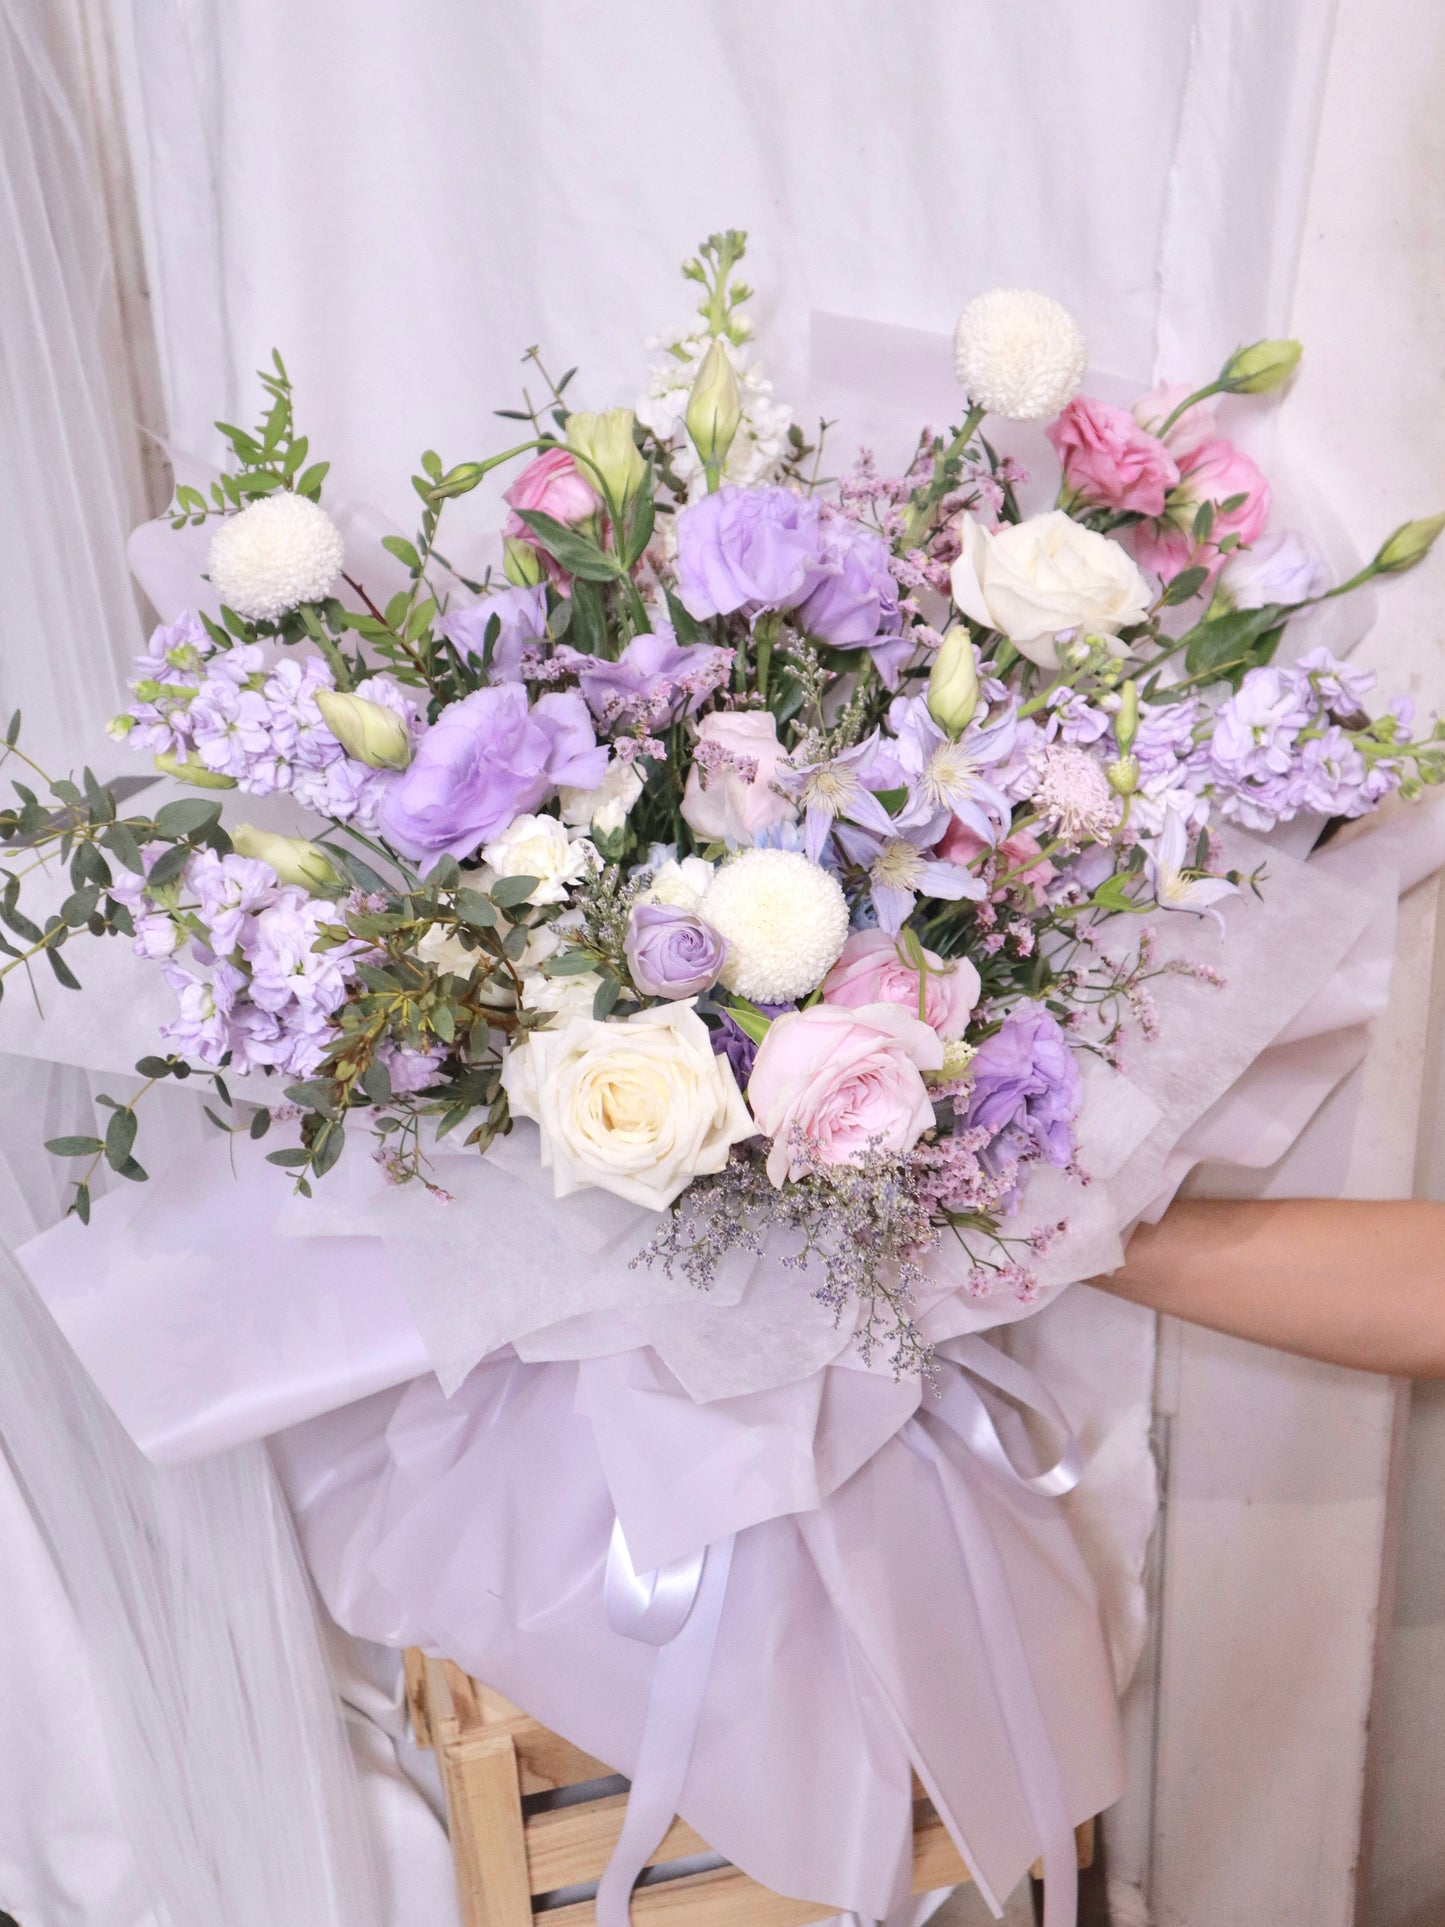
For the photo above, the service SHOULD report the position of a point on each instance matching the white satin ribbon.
(988, 1428)
(677, 1609)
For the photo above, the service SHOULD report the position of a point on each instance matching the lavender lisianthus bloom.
(852, 599)
(521, 616)
(731, 1041)
(655, 680)
(485, 761)
(671, 952)
(751, 549)
(1284, 567)
(1026, 1088)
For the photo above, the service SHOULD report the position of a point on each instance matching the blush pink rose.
(844, 1080)
(552, 485)
(729, 794)
(875, 969)
(1109, 461)
(961, 845)
(1216, 472)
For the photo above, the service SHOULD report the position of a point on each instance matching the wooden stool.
(493, 1755)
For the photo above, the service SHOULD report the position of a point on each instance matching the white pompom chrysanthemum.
(276, 554)
(1019, 354)
(784, 919)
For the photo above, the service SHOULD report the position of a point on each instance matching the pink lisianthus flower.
(1019, 852)
(1195, 427)
(551, 485)
(1217, 472)
(1109, 461)
(839, 1081)
(876, 969)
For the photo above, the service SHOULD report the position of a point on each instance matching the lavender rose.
(747, 548)
(521, 618)
(485, 761)
(672, 952)
(1026, 1087)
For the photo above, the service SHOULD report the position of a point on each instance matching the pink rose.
(1216, 472)
(1195, 427)
(729, 792)
(1109, 461)
(875, 969)
(843, 1079)
(961, 845)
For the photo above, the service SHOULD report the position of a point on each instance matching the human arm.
(1349, 1281)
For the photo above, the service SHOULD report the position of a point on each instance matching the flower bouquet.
(771, 870)
(755, 837)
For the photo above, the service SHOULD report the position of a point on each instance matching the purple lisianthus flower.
(521, 618)
(731, 1041)
(747, 548)
(1284, 567)
(485, 761)
(671, 952)
(655, 680)
(1026, 1088)
(852, 599)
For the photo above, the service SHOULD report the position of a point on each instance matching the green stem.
(916, 523)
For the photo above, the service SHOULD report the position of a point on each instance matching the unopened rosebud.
(714, 411)
(1123, 775)
(953, 682)
(192, 770)
(1408, 545)
(520, 560)
(1126, 719)
(293, 858)
(607, 441)
(365, 730)
(1262, 366)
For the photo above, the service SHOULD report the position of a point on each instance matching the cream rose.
(1037, 578)
(639, 1107)
(539, 846)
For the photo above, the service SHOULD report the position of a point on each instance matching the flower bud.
(1262, 366)
(292, 858)
(606, 440)
(953, 682)
(521, 562)
(714, 410)
(1409, 544)
(194, 771)
(1123, 775)
(119, 727)
(373, 735)
(1126, 719)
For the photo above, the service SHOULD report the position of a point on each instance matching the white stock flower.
(539, 846)
(607, 807)
(761, 441)
(640, 1107)
(683, 885)
(274, 555)
(785, 921)
(1032, 580)
(1019, 354)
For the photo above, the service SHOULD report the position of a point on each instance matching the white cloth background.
(405, 197)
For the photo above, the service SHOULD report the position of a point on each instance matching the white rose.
(640, 1107)
(679, 884)
(1039, 577)
(449, 953)
(608, 806)
(539, 846)
(564, 996)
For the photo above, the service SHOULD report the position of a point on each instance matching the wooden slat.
(414, 1669)
(571, 1845)
(484, 1806)
(936, 1861)
(724, 1898)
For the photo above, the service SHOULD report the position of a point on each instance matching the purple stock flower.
(747, 548)
(671, 952)
(521, 618)
(655, 680)
(1026, 1089)
(485, 761)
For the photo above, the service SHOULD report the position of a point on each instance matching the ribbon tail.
(674, 1709)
